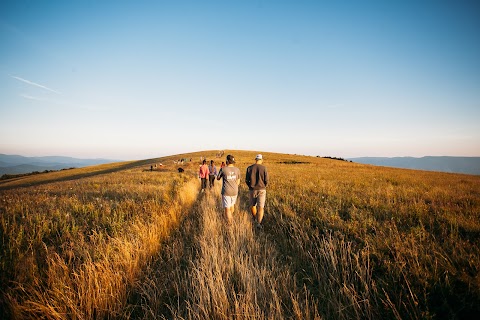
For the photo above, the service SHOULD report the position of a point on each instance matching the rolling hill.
(340, 240)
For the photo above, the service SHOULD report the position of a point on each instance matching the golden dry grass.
(212, 271)
(413, 236)
(340, 240)
(74, 247)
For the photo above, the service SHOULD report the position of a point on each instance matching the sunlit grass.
(74, 247)
(340, 240)
(418, 230)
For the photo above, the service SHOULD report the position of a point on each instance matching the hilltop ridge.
(16, 164)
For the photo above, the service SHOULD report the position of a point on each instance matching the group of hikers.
(256, 179)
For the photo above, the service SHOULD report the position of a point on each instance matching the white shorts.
(228, 201)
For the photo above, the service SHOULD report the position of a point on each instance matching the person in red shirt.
(203, 174)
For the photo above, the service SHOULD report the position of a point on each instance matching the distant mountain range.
(14, 164)
(468, 165)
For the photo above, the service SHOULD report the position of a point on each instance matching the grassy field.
(74, 242)
(340, 240)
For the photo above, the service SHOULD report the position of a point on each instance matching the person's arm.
(238, 180)
(220, 174)
(247, 178)
(266, 177)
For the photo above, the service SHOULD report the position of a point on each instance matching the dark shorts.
(257, 198)
(211, 179)
(204, 183)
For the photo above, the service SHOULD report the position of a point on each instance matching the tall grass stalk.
(340, 241)
(232, 273)
(95, 283)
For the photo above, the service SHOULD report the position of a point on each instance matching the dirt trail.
(210, 271)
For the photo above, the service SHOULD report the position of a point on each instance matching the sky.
(134, 80)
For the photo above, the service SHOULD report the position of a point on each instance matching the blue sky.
(141, 79)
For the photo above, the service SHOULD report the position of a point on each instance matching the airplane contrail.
(35, 84)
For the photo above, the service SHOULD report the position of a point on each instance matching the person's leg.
(261, 196)
(232, 205)
(253, 210)
(260, 215)
(229, 215)
(227, 205)
(231, 209)
(253, 205)
(212, 181)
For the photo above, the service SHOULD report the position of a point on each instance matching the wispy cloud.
(56, 102)
(29, 97)
(35, 84)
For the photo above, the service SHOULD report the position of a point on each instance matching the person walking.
(231, 181)
(257, 180)
(212, 174)
(203, 174)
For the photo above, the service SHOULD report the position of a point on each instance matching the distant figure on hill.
(180, 170)
(203, 174)
(212, 173)
(231, 180)
(257, 180)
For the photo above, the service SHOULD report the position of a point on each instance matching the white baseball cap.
(258, 157)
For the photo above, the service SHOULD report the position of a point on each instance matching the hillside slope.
(340, 240)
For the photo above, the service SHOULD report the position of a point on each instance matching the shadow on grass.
(156, 293)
